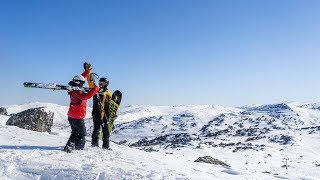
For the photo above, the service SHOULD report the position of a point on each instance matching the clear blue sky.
(164, 52)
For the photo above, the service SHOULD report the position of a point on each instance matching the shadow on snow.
(32, 147)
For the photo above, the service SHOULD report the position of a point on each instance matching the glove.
(87, 66)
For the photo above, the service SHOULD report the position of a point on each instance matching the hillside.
(162, 142)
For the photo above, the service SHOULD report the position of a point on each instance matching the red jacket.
(78, 101)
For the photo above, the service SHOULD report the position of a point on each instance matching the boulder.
(3, 111)
(211, 160)
(35, 119)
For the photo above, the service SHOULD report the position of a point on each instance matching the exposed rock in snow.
(211, 160)
(35, 119)
(3, 111)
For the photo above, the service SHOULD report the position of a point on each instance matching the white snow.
(27, 154)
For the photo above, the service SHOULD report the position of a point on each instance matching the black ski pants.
(97, 123)
(78, 133)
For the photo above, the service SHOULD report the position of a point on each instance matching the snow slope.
(170, 140)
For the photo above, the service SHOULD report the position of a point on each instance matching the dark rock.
(281, 139)
(3, 111)
(35, 119)
(277, 127)
(246, 113)
(149, 149)
(312, 129)
(215, 133)
(272, 108)
(173, 141)
(255, 138)
(121, 142)
(183, 121)
(211, 160)
(248, 146)
(223, 145)
(215, 122)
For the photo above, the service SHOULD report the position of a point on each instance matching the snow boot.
(69, 147)
(95, 142)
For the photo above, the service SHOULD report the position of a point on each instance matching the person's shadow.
(32, 147)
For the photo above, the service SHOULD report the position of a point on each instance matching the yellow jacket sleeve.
(90, 80)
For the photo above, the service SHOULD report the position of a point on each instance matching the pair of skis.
(53, 86)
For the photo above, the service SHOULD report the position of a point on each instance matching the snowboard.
(53, 86)
(113, 108)
(112, 111)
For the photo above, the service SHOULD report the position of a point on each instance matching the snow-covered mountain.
(163, 142)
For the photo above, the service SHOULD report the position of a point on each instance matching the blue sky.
(168, 52)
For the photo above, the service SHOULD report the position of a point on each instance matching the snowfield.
(277, 141)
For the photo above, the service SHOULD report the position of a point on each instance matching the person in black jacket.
(101, 102)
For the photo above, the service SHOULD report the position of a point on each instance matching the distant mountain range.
(250, 127)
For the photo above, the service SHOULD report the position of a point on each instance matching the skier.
(77, 110)
(101, 102)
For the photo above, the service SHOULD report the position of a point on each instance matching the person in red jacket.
(77, 111)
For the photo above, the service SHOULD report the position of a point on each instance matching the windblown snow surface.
(273, 141)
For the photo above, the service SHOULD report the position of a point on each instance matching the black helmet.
(104, 79)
